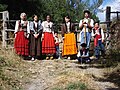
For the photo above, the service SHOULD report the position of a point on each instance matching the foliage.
(112, 59)
(56, 8)
(3, 7)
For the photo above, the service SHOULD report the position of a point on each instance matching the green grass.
(73, 86)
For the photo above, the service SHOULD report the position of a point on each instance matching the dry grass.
(18, 74)
(13, 70)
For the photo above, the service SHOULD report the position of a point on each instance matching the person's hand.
(28, 35)
(63, 38)
(15, 35)
(84, 23)
(36, 35)
(42, 37)
(102, 40)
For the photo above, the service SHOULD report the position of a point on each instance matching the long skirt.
(21, 44)
(48, 44)
(69, 44)
(35, 45)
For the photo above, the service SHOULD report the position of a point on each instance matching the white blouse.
(17, 26)
(86, 20)
(47, 26)
(98, 33)
(36, 23)
(68, 26)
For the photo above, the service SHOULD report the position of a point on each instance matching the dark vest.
(81, 52)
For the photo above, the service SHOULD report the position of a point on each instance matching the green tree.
(56, 8)
(3, 7)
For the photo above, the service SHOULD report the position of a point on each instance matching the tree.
(56, 8)
(3, 7)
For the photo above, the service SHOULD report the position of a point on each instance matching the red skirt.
(48, 44)
(21, 44)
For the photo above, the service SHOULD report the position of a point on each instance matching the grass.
(15, 73)
(11, 71)
(73, 86)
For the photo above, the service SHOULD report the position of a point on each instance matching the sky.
(115, 6)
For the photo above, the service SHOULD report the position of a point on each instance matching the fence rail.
(6, 30)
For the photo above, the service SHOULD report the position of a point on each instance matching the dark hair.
(67, 16)
(96, 22)
(48, 15)
(34, 16)
(56, 32)
(84, 45)
(86, 11)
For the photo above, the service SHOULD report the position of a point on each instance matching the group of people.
(37, 39)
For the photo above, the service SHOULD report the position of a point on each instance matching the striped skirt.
(48, 44)
(21, 44)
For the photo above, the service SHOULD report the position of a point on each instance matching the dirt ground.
(48, 74)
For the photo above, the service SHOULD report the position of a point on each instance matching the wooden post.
(5, 16)
(117, 15)
(76, 35)
(108, 12)
(4, 35)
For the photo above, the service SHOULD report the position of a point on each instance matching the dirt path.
(49, 74)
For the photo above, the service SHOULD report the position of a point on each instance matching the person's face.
(83, 48)
(48, 18)
(56, 34)
(86, 15)
(23, 17)
(35, 18)
(96, 25)
(67, 19)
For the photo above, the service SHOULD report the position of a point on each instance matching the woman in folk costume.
(22, 32)
(86, 25)
(35, 38)
(48, 43)
(69, 40)
(98, 35)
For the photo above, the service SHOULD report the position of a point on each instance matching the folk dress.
(48, 42)
(22, 32)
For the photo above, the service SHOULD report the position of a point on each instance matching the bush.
(112, 58)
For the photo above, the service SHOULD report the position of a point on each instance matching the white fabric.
(36, 23)
(86, 20)
(22, 22)
(47, 26)
(68, 26)
(57, 40)
(98, 33)
(79, 54)
(87, 30)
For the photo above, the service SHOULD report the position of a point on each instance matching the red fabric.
(48, 44)
(57, 44)
(96, 39)
(21, 44)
